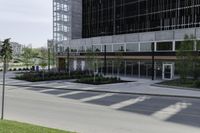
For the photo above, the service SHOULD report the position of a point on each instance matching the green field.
(17, 127)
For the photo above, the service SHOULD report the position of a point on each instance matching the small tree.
(92, 62)
(28, 56)
(43, 59)
(185, 57)
(195, 61)
(6, 55)
(118, 62)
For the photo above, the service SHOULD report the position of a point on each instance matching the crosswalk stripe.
(171, 110)
(88, 88)
(96, 97)
(70, 93)
(43, 85)
(46, 90)
(64, 86)
(129, 102)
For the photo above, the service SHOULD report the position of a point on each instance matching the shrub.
(197, 84)
(99, 80)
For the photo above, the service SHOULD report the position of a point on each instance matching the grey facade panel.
(132, 37)
(106, 39)
(119, 39)
(96, 40)
(180, 34)
(198, 33)
(164, 35)
(148, 36)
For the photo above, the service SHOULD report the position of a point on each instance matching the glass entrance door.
(167, 71)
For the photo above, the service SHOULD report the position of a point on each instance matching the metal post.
(3, 92)
(153, 60)
(49, 63)
(105, 60)
(68, 69)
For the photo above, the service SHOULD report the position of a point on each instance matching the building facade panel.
(132, 37)
(96, 40)
(106, 39)
(164, 35)
(180, 34)
(147, 36)
(119, 39)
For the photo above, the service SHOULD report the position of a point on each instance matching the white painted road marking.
(44, 85)
(70, 93)
(88, 88)
(46, 90)
(64, 86)
(129, 102)
(168, 112)
(96, 97)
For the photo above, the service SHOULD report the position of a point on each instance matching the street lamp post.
(153, 61)
(68, 69)
(105, 59)
(49, 62)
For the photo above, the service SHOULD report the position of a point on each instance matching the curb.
(176, 87)
(115, 92)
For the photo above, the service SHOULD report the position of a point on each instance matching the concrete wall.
(169, 35)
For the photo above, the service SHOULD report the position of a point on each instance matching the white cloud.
(26, 21)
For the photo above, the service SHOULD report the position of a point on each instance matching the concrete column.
(124, 47)
(174, 46)
(155, 46)
(139, 47)
(195, 45)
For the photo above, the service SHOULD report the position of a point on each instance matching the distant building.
(16, 47)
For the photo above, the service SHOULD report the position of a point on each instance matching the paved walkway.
(138, 86)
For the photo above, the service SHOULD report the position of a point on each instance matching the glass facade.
(111, 17)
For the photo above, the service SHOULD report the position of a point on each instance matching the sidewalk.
(138, 86)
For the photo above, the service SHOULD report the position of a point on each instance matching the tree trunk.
(118, 72)
(3, 91)
(43, 74)
(94, 80)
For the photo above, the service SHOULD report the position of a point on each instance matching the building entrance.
(167, 71)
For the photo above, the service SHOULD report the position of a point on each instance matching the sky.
(26, 21)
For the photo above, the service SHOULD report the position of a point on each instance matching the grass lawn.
(17, 127)
(189, 83)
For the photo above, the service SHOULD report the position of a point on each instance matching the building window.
(164, 46)
(132, 47)
(97, 48)
(89, 48)
(177, 45)
(146, 47)
(118, 47)
(108, 48)
(81, 49)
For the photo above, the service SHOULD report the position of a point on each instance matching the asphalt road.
(89, 112)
